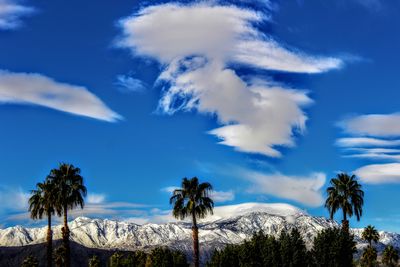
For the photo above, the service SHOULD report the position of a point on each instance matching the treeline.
(158, 257)
(332, 247)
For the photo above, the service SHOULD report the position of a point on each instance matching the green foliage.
(264, 250)
(116, 260)
(345, 193)
(369, 257)
(158, 257)
(192, 199)
(59, 256)
(30, 261)
(333, 247)
(94, 261)
(390, 256)
(370, 234)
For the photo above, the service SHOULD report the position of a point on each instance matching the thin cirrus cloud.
(126, 83)
(306, 190)
(378, 125)
(379, 173)
(198, 45)
(96, 205)
(11, 12)
(216, 196)
(374, 137)
(37, 89)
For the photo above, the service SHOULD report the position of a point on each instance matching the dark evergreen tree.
(333, 248)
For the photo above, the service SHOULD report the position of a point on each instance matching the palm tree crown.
(192, 199)
(70, 186)
(370, 234)
(390, 256)
(345, 193)
(43, 200)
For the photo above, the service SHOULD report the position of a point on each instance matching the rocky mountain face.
(214, 233)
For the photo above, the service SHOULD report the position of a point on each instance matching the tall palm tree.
(390, 256)
(71, 193)
(345, 193)
(43, 202)
(192, 200)
(370, 234)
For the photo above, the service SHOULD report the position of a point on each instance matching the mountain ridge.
(214, 233)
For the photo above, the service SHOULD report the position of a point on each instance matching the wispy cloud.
(11, 12)
(94, 198)
(306, 190)
(127, 83)
(356, 142)
(379, 173)
(13, 199)
(373, 137)
(198, 45)
(377, 125)
(14, 207)
(216, 196)
(37, 89)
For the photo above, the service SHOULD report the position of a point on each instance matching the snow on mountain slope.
(229, 225)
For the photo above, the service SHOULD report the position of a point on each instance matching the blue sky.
(267, 100)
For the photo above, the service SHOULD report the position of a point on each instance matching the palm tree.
(71, 192)
(390, 256)
(43, 202)
(59, 256)
(30, 261)
(192, 200)
(94, 261)
(370, 234)
(345, 193)
(369, 257)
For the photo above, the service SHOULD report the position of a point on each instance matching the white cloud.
(378, 125)
(302, 189)
(379, 173)
(216, 196)
(13, 199)
(11, 12)
(222, 196)
(36, 89)
(94, 198)
(128, 83)
(366, 142)
(197, 44)
(224, 212)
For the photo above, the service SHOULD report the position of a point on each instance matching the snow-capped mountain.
(220, 229)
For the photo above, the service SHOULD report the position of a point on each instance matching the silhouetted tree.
(59, 256)
(94, 261)
(30, 261)
(43, 201)
(70, 194)
(390, 256)
(333, 248)
(192, 200)
(345, 193)
(369, 257)
(370, 234)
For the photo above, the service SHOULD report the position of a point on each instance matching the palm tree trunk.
(65, 235)
(49, 241)
(345, 223)
(195, 231)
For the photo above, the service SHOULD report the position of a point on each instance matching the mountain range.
(229, 225)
